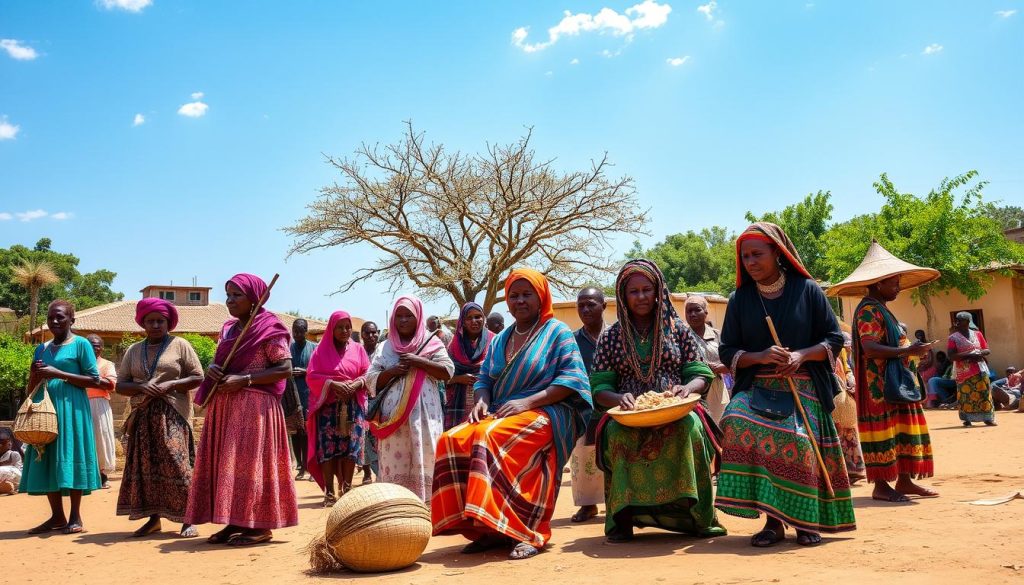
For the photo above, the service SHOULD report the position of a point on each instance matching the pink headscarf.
(327, 364)
(155, 305)
(416, 307)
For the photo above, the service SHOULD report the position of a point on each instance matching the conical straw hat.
(879, 264)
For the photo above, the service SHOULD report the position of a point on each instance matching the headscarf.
(665, 319)
(155, 305)
(264, 328)
(969, 317)
(773, 234)
(416, 307)
(327, 364)
(462, 350)
(540, 285)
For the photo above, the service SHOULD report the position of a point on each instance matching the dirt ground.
(941, 540)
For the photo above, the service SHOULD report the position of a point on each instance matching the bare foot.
(883, 492)
(51, 524)
(152, 525)
(912, 489)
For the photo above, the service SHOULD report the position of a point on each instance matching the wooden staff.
(803, 415)
(245, 329)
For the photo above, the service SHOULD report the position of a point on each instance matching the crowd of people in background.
(479, 422)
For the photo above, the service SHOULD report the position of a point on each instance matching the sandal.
(893, 498)
(72, 528)
(223, 536)
(249, 539)
(991, 423)
(188, 531)
(523, 551)
(583, 514)
(807, 538)
(46, 527)
(329, 500)
(766, 538)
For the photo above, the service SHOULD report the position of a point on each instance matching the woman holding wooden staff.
(781, 456)
(243, 472)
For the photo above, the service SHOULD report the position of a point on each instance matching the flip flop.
(808, 538)
(45, 527)
(249, 540)
(766, 538)
(523, 551)
(220, 537)
(893, 498)
(583, 516)
(72, 528)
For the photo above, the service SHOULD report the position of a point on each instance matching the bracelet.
(248, 380)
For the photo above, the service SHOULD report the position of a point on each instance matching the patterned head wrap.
(665, 317)
(773, 234)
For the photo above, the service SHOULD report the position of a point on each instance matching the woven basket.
(655, 417)
(845, 413)
(374, 528)
(36, 423)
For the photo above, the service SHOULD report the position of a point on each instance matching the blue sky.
(713, 107)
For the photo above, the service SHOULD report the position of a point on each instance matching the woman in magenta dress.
(243, 471)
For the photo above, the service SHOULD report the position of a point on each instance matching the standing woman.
(467, 350)
(68, 466)
(709, 339)
(243, 472)
(768, 465)
(157, 374)
(336, 427)
(411, 364)
(968, 351)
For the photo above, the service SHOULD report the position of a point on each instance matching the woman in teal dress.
(68, 466)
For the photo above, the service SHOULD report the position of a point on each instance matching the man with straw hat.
(894, 437)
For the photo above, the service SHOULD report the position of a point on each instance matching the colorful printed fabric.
(341, 432)
(893, 437)
(498, 475)
(158, 460)
(964, 369)
(768, 466)
(467, 355)
(853, 455)
(69, 463)
(975, 397)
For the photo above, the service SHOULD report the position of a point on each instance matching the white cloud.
(607, 54)
(193, 109)
(128, 5)
(709, 10)
(7, 130)
(62, 215)
(31, 215)
(677, 61)
(139, 120)
(198, 95)
(4, 216)
(18, 51)
(574, 62)
(932, 49)
(1005, 13)
(646, 15)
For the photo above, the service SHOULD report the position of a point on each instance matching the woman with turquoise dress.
(68, 466)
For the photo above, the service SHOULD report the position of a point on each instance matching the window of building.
(167, 295)
(977, 314)
(194, 296)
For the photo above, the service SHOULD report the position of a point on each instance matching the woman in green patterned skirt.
(658, 476)
(768, 465)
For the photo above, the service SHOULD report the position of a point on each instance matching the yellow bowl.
(655, 417)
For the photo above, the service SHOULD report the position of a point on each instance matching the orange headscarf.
(773, 234)
(539, 284)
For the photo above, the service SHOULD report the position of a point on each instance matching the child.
(10, 463)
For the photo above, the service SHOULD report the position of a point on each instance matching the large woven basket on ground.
(374, 528)
(36, 423)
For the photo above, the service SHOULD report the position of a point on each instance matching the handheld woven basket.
(375, 528)
(36, 422)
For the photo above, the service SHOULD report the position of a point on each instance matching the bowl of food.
(653, 409)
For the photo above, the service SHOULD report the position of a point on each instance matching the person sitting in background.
(941, 386)
(495, 322)
(10, 463)
(1006, 391)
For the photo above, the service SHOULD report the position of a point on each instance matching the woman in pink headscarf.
(407, 372)
(336, 426)
(243, 470)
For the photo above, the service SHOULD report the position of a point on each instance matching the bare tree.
(453, 223)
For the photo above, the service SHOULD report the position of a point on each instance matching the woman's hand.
(796, 359)
(627, 401)
(46, 372)
(677, 390)
(215, 373)
(342, 389)
(479, 411)
(151, 388)
(512, 408)
(412, 360)
(232, 382)
(467, 379)
(719, 368)
(774, 356)
(398, 370)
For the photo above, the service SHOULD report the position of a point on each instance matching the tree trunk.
(926, 302)
(33, 311)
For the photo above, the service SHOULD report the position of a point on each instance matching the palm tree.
(33, 277)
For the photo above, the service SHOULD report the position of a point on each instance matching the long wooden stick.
(803, 415)
(234, 346)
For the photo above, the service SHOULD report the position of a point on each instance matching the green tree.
(948, 229)
(15, 361)
(204, 346)
(34, 276)
(1007, 216)
(694, 261)
(805, 223)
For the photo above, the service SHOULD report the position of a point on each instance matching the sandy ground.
(933, 541)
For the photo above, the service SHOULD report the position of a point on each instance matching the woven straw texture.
(655, 417)
(845, 413)
(879, 264)
(375, 528)
(36, 424)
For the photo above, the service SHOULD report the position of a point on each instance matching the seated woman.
(336, 427)
(497, 477)
(659, 476)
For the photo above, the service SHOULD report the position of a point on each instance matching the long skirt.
(406, 457)
(458, 400)
(68, 463)
(893, 437)
(103, 431)
(768, 466)
(975, 397)
(158, 458)
(340, 431)
(587, 479)
(243, 475)
(662, 474)
(497, 476)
